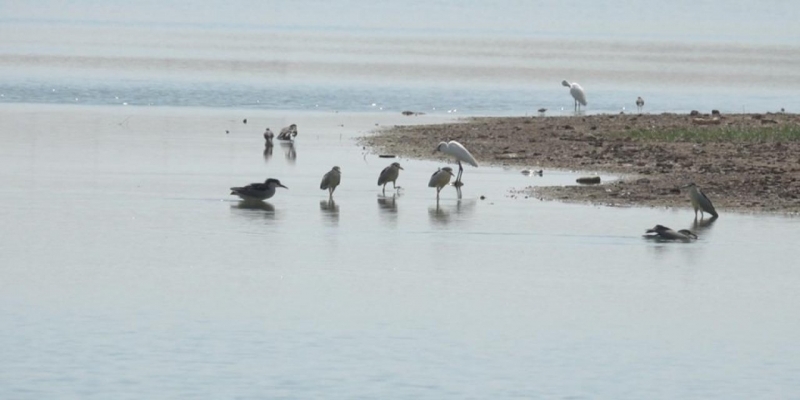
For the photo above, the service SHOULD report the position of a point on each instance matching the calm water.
(129, 272)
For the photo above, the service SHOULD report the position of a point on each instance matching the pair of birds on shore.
(332, 179)
(579, 95)
(701, 203)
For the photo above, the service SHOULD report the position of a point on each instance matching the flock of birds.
(331, 180)
(442, 177)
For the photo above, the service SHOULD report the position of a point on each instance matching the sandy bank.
(743, 162)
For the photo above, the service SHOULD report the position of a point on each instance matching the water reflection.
(330, 210)
(290, 151)
(268, 152)
(254, 208)
(702, 224)
(388, 203)
(441, 214)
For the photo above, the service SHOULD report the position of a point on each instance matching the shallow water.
(129, 272)
(471, 59)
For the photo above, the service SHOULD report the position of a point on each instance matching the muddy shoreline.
(743, 162)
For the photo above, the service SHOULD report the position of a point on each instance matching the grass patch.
(786, 133)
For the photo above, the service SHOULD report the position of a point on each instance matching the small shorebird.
(331, 180)
(700, 202)
(440, 179)
(664, 233)
(639, 103)
(258, 191)
(268, 135)
(577, 93)
(389, 174)
(460, 153)
(288, 133)
(542, 111)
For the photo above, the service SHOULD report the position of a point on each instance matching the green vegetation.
(785, 133)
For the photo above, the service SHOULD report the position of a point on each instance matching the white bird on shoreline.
(440, 179)
(577, 93)
(258, 191)
(331, 180)
(460, 153)
(389, 174)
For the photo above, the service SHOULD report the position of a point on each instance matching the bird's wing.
(706, 204)
(461, 153)
(577, 92)
(384, 176)
(432, 182)
(325, 179)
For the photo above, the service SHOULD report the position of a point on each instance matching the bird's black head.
(275, 182)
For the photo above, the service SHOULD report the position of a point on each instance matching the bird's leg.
(458, 183)
(394, 186)
(384, 189)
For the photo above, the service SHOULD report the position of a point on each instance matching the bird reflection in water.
(290, 151)
(703, 224)
(388, 203)
(442, 213)
(267, 153)
(255, 205)
(329, 209)
(254, 209)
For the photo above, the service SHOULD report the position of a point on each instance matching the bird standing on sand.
(288, 133)
(389, 174)
(440, 179)
(258, 191)
(331, 180)
(664, 233)
(461, 153)
(700, 201)
(577, 93)
(639, 103)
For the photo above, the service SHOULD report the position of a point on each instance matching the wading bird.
(258, 191)
(440, 179)
(577, 93)
(389, 174)
(288, 133)
(331, 180)
(460, 153)
(268, 135)
(700, 201)
(664, 233)
(639, 103)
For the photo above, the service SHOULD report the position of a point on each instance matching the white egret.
(258, 191)
(461, 153)
(700, 201)
(331, 180)
(664, 233)
(639, 103)
(440, 179)
(577, 93)
(288, 133)
(389, 174)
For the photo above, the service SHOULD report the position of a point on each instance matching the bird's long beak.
(401, 168)
(283, 186)
(451, 174)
